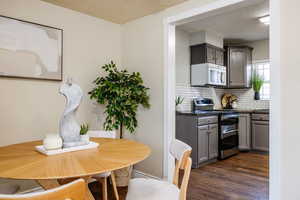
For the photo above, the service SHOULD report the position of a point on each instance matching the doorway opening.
(229, 26)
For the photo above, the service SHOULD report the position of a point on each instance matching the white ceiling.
(239, 25)
(118, 11)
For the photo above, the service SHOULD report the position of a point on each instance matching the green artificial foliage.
(122, 93)
(84, 128)
(178, 100)
(257, 81)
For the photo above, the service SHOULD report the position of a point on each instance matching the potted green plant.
(257, 83)
(178, 102)
(84, 128)
(122, 93)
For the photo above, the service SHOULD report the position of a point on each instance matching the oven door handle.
(230, 116)
(229, 133)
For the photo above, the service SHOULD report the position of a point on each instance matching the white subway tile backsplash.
(189, 93)
(245, 97)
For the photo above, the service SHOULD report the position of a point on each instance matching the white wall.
(286, 71)
(31, 108)
(206, 36)
(182, 51)
(261, 49)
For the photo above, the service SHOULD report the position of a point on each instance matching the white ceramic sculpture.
(69, 129)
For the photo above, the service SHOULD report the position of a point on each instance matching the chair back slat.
(185, 179)
(102, 134)
(72, 191)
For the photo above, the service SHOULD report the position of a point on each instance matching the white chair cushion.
(102, 175)
(178, 148)
(151, 189)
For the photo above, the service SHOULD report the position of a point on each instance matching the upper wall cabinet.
(206, 53)
(238, 60)
(220, 57)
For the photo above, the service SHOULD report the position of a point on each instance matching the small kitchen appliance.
(208, 74)
(228, 126)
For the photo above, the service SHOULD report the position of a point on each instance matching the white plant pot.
(179, 108)
(52, 142)
(85, 138)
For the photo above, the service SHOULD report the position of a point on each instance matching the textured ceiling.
(117, 11)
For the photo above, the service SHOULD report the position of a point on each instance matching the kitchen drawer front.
(261, 117)
(207, 120)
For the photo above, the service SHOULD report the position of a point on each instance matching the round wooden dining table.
(22, 161)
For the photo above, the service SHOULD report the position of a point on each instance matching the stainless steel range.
(228, 126)
(228, 134)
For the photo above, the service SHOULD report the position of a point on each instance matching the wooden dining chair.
(151, 189)
(102, 178)
(72, 191)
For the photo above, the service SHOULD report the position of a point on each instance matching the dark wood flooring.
(241, 177)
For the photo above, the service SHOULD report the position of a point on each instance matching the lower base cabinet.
(202, 143)
(201, 133)
(213, 140)
(207, 143)
(245, 132)
(260, 135)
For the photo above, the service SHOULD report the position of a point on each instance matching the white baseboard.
(139, 174)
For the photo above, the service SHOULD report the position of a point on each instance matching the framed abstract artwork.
(30, 50)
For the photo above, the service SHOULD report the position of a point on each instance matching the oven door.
(229, 135)
(229, 145)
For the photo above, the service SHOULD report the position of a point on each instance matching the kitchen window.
(262, 67)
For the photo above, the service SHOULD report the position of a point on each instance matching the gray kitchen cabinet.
(220, 57)
(237, 69)
(206, 53)
(203, 144)
(244, 131)
(201, 133)
(187, 132)
(260, 135)
(213, 141)
(239, 66)
(211, 54)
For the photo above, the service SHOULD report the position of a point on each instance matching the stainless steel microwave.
(208, 74)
